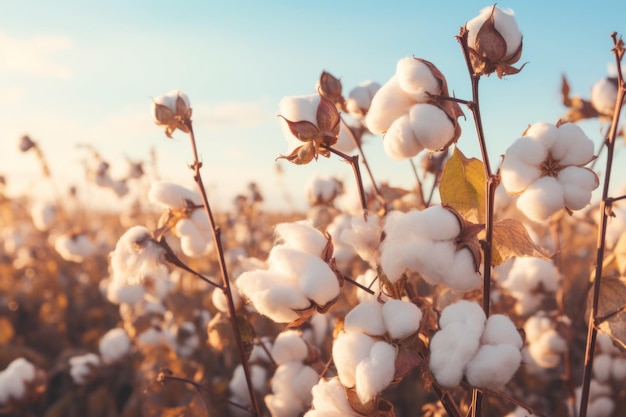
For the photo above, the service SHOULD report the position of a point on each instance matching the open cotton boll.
(527, 273)
(401, 318)
(517, 175)
(450, 350)
(604, 96)
(329, 395)
(220, 301)
(289, 347)
(366, 318)
(535, 326)
(396, 258)
(433, 259)
(238, 386)
(80, 366)
(541, 199)
(192, 243)
(349, 349)
(389, 103)
(499, 329)
(44, 215)
(345, 143)
(493, 366)
(578, 184)
(572, 146)
(283, 405)
(543, 132)
(417, 79)
(368, 279)
(303, 236)
(74, 248)
(295, 379)
(300, 108)
(505, 24)
(360, 98)
(321, 189)
(170, 195)
(376, 372)
(602, 367)
(528, 151)
(438, 224)
(364, 237)
(432, 126)
(462, 274)
(468, 313)
(400, 141)
(114, 345)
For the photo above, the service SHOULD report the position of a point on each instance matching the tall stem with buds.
(605, 212)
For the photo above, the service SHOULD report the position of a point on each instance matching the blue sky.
(85, 72)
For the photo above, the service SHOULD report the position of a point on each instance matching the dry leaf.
(612, 300)
(463, 186)
(510, 239)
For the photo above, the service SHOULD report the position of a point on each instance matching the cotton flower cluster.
(425, 242)
(544, 344)
(136, 268)
(330, 400)
(74, 247)
(486, 351)
(193, 227)
(527, 279)
(81, 367)
(360, 98)
(411, 119)
(305, 109)
(292, 381)
(297, 280)
(15, 379)
(545, 168)
(322, 189)
(364, 362)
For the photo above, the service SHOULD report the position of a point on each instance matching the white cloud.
(34, 56)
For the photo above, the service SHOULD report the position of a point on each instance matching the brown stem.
(419, 187)
(354, 161)
(447, 401)
(357, 143)
(216, 232)
(605, 208)
(353, 282)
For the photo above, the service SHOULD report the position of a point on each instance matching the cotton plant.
(528, 280)
(428, 242)
(184, 215)
(544, 345)
(298, 280)
(545, 168)
(364, 353)
(484, 351)
(406, 109)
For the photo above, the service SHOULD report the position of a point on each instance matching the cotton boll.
(601, 407)
(499, 329)
(330, 396)
(462, 274)
(432, 126)
(318, 282)
(505, 24)
(13, 379)
(542, 358)
(517, 175)
(114, 345)
(238, 386)
(389, 103)
(450, 351)
(220, 301)
(80, 367)
(400, 141)
(289, 347)
(283, 405)
(321, 189)
(192, 243)
(467, 313)
(368, 279)
(528, 151)
(302, 236)
(535, 326)
(618, 369)
(545, 133)
(602, 365)
(360, 98)
(300, 108)
(170, 195)
(433, 260)
(493, 366)
(43, 215)
(417, 79)
(578, 183)
(401, 318)
(395, 258)
(293, 381)
(366, 318)
(572, 146)
(604, 96)
(438, 224)
(364, 237)
(541, 199)
(376, 372)
(74, 248)
(349, 349)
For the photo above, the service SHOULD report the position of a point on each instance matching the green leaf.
(510, 239)
(611, 305)
(463, 186)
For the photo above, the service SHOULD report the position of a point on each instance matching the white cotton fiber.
(300, 108)
(389, 103)
(302, 236)
(80, 367)
(416, 79)
(289, 347)
(438, 223)
(505, 24)
(544, 132)
(360, 98)
(462, 274)
(450, 350)
(330, 396)
(364, 237)
(572, 146)
(400, 141)
(114, 345)
(349, 349)
(602, 364)
(74, 248)
(283, 405)
(516, 175)
(170, 195)
(604, 96)
(401, 318)
(493, 366)
(467, 313)
(366, 318)
(541, 199)
(527, 151)
(432, 126)
(318, 282)
(433, 259)
(375, 372)
(618, 369)
(499, 329)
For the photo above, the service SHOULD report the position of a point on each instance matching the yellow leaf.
(463, 186)
(510, 239)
